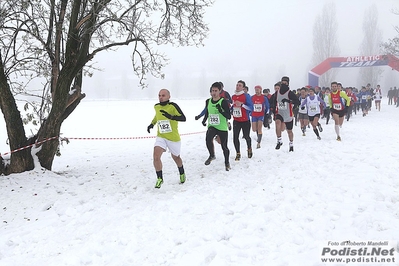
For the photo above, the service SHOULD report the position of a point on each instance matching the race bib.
(364, 97)
(257, 107)
(282, 106)
(164, 126)
(313, 108)
(237, 112)
(337, 106)
(214, 119)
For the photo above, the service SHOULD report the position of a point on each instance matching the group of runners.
(284, 106)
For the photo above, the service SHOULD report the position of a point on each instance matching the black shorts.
(340, 113)
(288, 125)
(311, 118)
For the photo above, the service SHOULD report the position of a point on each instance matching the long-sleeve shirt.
(168, 127)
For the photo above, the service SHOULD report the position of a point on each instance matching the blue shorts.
(257, 118)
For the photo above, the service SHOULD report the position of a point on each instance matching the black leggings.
(210, 135)
(246, 127)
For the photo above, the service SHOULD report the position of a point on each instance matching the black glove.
(219, 108)
(166, 114)
(204, 123)
(302, 107)
(197, 117)
(285, 100)
(150, 127)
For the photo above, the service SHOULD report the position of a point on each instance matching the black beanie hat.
(285, 78)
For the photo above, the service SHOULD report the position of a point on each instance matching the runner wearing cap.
(284, 101)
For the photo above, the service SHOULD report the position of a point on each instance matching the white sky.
(257, 42)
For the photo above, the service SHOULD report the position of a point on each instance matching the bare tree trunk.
(52, 126)
(22, 160)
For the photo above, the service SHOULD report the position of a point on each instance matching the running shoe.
(238, 157)
(258, 145)
(227, 167)
(182, 178)
(279, 144)
(250, 153)
(159, 183)
(291, 148)
(318, 138)
(339, 138)
(209, 160)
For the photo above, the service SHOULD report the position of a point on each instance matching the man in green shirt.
(217, 113)
(167, 116)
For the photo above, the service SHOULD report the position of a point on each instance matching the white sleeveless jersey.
(284, 108)
(313, 106)
(378, 95)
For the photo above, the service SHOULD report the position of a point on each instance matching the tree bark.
(22, 160)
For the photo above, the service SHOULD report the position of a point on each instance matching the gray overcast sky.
(258, 41)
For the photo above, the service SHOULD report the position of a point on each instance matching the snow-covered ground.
(99, 206)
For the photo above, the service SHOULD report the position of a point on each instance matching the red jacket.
(353, 98)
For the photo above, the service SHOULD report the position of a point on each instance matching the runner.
(224, 94)
(364, 95)
(312, 105)
(204, 119)
(338, 106)
(261, 109)
(371, 94)
(377, 98)
(242, 106)
(284, 101)
(395, 96)
(357, 107)
(320, 92)
(167, 116)
(267, 120)
(390, 96)
(272, 103)
(353, 100)
(327, 112)
(296, 109)
(217, 113)
(303, 112)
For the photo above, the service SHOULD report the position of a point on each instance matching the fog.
(257, 42)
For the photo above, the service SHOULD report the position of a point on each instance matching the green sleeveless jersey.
(215, 118)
